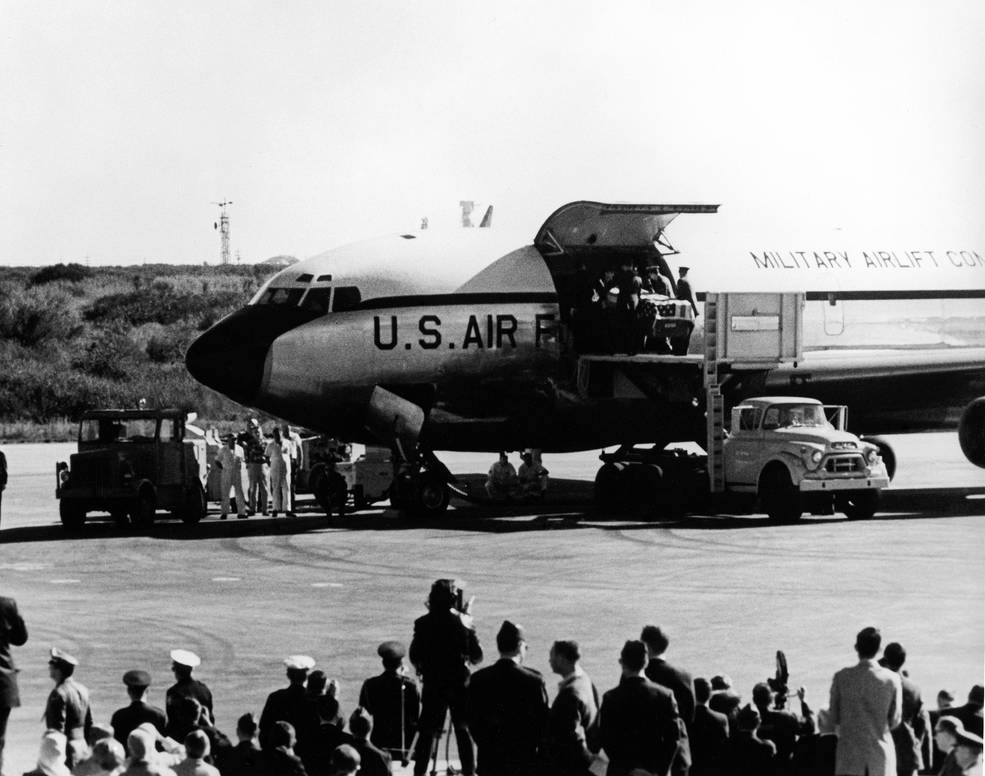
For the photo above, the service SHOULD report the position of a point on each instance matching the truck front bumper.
(852, 483)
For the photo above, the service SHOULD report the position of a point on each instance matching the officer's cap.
(136, 678)
(968, 738)
(684, 269)
(58, 656)
(391, 650)
(511, 631)
(299, 662)
(185, 657)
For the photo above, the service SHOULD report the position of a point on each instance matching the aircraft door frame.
(834, 316)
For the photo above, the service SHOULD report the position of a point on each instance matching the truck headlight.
(816, 457)
(63, 476)
(871, 456)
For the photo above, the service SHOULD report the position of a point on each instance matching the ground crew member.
(297, 460)
(394, 701)
(278, 452)
(443, 648)
(127, 719)
(257, 471)
(532, 477)
(12, 632)
(67, 709)
(230, 462)
(501, 482)
(183, 661)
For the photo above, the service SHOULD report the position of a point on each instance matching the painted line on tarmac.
(327, 584)
(227, 579)
(64, 581)
(23, 566)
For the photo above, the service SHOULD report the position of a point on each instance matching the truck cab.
(795, 453)
(130, 463)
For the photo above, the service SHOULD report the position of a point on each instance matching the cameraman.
(443, 648)
(779, 725)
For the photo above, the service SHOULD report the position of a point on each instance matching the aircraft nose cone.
(227, 360)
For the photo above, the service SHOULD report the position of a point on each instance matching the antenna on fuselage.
(223, 226)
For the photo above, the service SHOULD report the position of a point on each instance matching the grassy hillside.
(74, 338)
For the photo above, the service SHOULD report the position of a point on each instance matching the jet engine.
(971, 432)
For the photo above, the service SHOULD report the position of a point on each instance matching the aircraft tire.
(859, 506)
(120, 516)
(430, 498)
(610, 486)
(73, 515)
(779, 496)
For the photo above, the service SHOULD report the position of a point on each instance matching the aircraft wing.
(593, 225)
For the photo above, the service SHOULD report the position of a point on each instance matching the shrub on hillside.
(158, 303)
(110, 353)
(36, 316)
(73, 273)
(168, 347)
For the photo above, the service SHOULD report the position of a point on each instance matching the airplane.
(460, 340)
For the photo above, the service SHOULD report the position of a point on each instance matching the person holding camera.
(443, 649)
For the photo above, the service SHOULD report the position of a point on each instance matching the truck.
(132, 463)
(366, 479)
(784, 454)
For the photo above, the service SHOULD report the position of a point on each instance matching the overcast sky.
(120, 122)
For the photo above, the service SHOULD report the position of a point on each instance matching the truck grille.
(843, 464)
(87, 471)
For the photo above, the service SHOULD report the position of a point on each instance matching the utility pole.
(223, 226)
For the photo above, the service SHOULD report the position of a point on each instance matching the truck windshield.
(118, 430)
(794, 416)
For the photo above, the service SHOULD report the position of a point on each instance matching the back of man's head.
(317, 680)
(633, 656)
(345, 760)
(748, 718)
(361, 723)
(893, 656)
(567, 649)
(197, 744)
(702, 690)
(189, 711)
(443, 595)
(282, 734)
(509, 638)
(867, 642)
(976, 696)
(721, 682)
(655, 639)
(762, 695)
(246, 727)
(108, 754)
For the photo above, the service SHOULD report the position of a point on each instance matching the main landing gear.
(420, 485)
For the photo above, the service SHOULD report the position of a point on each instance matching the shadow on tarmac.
(567, 507)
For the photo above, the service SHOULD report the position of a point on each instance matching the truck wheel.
(143, 509)
(331, 495)
(120, 516)
(778, 495)
(72, 514)
(195, 506)
(429, 498)
(610, 486)
(861, 505)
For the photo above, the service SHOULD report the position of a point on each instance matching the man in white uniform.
(230, 461)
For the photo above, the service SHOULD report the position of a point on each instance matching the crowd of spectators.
(658, 719)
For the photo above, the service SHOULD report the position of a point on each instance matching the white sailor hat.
(299, 662)
(60, 656)
(185, 657)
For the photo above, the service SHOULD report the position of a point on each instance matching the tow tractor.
(362, 481)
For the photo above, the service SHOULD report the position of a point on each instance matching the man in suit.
(443, 648)
(679, 682)
(12, 632)
(909, 735)
(709, 733)
(639, 723)
(127, 719)
(751, 755)
(372, 760)
(781, 726)
(573, 719)
(507, 710)
(724, 699)
(866, 704)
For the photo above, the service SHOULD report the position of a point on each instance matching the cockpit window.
(346, 298)
(305, 278)
(316, 300)
(281, 296)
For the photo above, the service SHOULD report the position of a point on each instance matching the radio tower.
(223, 226)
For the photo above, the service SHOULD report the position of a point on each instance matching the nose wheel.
(420, 488)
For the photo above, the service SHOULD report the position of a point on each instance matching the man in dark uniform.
(67, 710)
(182, 663)
(638, 719)
(394, 702)
(293, 705)
(685, 293)
(139, 711)
(443, 648)
(507, 710)
(12, 632)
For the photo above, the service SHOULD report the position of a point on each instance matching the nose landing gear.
(420, 486)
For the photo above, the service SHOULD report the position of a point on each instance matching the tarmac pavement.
(729, 590)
